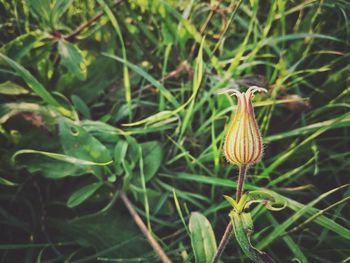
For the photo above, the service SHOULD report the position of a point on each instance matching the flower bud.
(243, 142)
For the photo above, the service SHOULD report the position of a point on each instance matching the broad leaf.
(152, 154)
(52, 168)
(113, 232)
(72, 59)
(202, 238)
(77, 142)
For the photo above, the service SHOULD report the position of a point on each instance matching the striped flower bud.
(243, 142)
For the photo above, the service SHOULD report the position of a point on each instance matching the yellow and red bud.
(243, 143)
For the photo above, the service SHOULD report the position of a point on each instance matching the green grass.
(130, 104)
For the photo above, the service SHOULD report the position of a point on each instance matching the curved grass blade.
(126, 78)
(292, 204)
(34, 84)
(148, 77)
(58, 156)
(305, 210)
(6, 182)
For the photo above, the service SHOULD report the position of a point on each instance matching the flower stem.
(240, 183)
(239, 192)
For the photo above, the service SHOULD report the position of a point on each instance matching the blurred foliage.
(102, 96)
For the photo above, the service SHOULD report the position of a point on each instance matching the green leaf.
(232, 202)
(165, 92)
(34, 84)
(81, 106)
(271, 202)
(120, 150)
(23, 44)
(243, 228)
(133, 152)
(242, 202)
(152, 153)
(197, 80)
(286, 155)
(10, 88)
(126, 77)
(60, 157)
(52, 168)
(102, 131)
(77, 142)
(8, 110)
(306, 210)
(82, 194)
(72, 59)
(41, 9)
(202, 238)
(112, 233)
(308, 129)
(49, 11)
(240, 206)
(296, 206)
(59, 8)
(6, 182)
(295, 36)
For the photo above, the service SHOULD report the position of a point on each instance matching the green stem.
(239, 192)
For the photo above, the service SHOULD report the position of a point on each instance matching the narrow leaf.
(166, 93)
(243, 228)
(10, 88)
(126, 77)
(82, 194)
(274, 203)
(232, 202)
(6, 182)
(81, 106)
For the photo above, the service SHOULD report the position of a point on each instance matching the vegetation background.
(99, 97)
